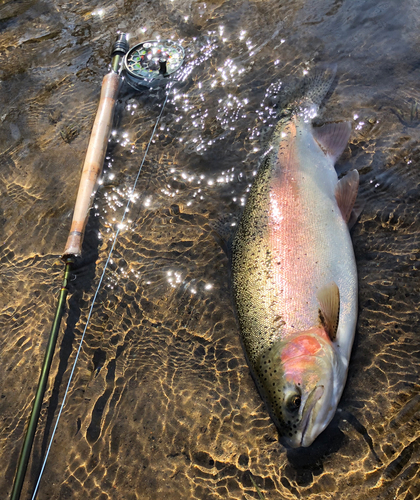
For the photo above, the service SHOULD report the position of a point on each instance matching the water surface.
(162, 403)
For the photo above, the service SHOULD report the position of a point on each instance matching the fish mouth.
(312, 400)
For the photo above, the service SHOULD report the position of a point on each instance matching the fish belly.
(291, 242)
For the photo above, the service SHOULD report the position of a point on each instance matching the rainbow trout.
(293, 270)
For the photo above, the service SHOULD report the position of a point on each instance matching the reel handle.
(94, 160)
(95, 155)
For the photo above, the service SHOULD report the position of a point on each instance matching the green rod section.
(115, 63)
(43, 379)
(120, 49)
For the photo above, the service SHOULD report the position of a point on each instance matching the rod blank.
(42, 383)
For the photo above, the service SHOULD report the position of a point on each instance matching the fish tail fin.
(316, 84)
(310, 91)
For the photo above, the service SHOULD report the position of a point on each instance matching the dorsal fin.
(346, 193)
(329, 308)
(333, 138)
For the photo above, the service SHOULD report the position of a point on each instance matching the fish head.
(306, 407)
(298, 381)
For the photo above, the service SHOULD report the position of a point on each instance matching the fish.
(294, 274)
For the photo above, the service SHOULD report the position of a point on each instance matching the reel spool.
(152, 63)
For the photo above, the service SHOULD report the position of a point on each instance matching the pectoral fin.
(333, 138)
(329, 309)
(346, 193)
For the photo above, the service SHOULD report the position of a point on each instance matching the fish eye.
(294, 402)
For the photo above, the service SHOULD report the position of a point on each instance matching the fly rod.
(148, 64)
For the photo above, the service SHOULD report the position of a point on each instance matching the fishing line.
(120, 225)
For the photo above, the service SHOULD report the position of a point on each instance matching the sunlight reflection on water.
(170, 408)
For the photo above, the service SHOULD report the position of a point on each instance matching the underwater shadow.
(305, 463)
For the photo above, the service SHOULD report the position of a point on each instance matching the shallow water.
(162, 403)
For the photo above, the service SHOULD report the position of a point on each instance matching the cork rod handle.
(94, 160)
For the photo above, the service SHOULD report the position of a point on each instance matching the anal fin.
(329, 309)
(355, 213)
(346, 193)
